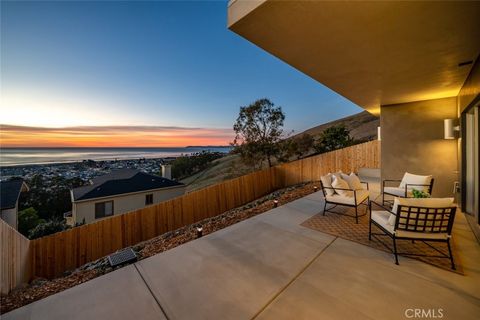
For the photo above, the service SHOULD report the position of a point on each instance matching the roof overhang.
(373, 53)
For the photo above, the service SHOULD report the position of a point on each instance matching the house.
(119, 192)
(10, 192)
(414, 64)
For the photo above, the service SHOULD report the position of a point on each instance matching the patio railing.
(52, 255)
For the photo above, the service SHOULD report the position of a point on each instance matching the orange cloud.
(112, 136)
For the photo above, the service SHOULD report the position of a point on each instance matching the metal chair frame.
(416, 219)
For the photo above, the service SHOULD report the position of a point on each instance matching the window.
(103, 209)
(471, 172)
(148, 199)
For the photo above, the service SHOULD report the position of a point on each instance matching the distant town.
(42, 199)
(85, 170)
(41, 195)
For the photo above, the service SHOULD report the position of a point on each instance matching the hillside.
(362, 126)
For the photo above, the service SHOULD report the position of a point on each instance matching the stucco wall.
(10, 217)
(123, 204)
(412, 140)
(470, 89)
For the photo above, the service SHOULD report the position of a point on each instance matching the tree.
(297, 146)
(333, 138)
(304, 144)
(187, 165)
(27, 220)
(258, 130)
(287, 149)
(51, 198)
(47, 228)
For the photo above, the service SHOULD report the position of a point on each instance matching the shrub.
(47, 228)
(27, 220)
(333, 138)
(188, 165)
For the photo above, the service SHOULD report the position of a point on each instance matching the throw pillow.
(327, 182)
(353, 181)
(341, 184)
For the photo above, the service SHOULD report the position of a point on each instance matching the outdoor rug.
(345, 227)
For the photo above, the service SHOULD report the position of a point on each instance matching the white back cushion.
(419, 202)
(353, 181)
(409, 178)
(327, 182)
(340, 183)
(336, 174)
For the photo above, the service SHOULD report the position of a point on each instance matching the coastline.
(72, 162)
(32, 157)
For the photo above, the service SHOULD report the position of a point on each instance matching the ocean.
(31, 156)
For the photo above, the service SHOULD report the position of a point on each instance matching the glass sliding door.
(471, 162)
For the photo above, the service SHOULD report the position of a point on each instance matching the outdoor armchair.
(423, 219)
(404, 187)
(359, 197)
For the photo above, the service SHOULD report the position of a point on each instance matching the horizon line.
(120, 147)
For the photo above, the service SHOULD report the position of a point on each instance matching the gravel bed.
(40, 288)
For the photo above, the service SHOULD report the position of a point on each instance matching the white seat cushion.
(399, 192)
(338, 183)
(361, 196)
(382, 219)
(353, 181)
(417, 180)
(327, 182)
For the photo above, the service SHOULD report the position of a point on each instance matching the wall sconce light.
(379, 134)
(449, 129)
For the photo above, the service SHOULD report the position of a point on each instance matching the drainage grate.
(122, 257)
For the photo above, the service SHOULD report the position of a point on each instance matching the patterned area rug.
(345, 227)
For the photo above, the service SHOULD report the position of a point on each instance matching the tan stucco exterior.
(415, 63)
(121, 203)
(412, 140)
(10, 216)
(470, 89)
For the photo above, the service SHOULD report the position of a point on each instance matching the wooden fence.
(15, 258)
(364, 155)
(54, 254)
(50, 256)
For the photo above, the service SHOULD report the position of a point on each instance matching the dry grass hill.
(362, 126)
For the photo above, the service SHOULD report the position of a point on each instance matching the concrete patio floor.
(270, 267)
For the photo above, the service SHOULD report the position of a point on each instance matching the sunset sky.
(140, 74)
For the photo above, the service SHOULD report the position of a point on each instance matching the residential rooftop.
(10, 191)
(122, 182)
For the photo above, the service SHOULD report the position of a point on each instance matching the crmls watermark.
(420, 313)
